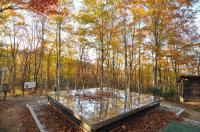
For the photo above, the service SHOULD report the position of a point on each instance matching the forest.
(134, 45)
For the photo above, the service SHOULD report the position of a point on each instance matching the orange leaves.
(173, 52)
(38, 6)
(185, 2)
(42, 6)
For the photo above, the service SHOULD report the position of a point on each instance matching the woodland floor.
(15, 117)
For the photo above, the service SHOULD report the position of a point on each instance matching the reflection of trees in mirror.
(96, 106)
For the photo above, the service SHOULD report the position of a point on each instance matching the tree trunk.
(41, 56)
(58, 68)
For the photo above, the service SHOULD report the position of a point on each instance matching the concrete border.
(39, 125)
(176, 110)
(192, 122)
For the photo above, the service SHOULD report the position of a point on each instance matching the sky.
(197, 7)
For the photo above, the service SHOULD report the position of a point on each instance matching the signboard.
(5, 87)
(29, 85)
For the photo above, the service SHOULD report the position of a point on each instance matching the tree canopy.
(132, 45)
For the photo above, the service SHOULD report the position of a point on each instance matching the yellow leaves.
(145, 58)
(82, 31)
(115, 43)
(83, 40)
(12, 13)
(164, 62)
(20, 24)
(139, 12)
(59, 19)
(86, 18)
(9, 14)
(4, 16)
(90, 2)
(63, 1)
(68, 27)
(121, 60)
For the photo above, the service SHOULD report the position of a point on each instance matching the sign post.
(29, 85)
(3, 72)
(5, 89)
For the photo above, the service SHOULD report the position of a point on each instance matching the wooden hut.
(189, 88)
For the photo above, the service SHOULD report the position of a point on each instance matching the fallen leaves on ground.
(56, 121)
(27, 121)
(4, 105)
(150, 122)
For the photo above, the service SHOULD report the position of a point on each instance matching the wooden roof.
(188, 77)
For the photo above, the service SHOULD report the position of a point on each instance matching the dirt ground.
(15, 117)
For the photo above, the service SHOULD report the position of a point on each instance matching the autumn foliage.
(123, 44)
(42, 6)
(38, 6)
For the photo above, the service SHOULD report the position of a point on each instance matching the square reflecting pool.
(98, 109)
